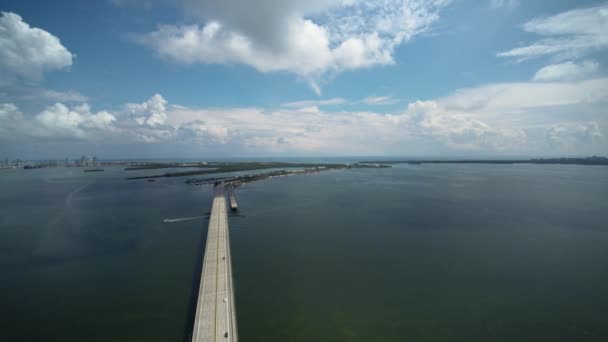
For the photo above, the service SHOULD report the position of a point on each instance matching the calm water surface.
(412, 253)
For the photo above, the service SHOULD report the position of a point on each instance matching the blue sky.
(154, 78)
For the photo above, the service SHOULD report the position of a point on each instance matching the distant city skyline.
(208, 79)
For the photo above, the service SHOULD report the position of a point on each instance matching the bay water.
(448, 252)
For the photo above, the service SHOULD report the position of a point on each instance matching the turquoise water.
(412, 253)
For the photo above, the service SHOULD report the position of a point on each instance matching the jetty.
(215, 318)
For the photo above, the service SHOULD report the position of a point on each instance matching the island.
(594, 160)
(277, 169)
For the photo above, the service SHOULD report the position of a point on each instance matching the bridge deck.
(215, 318)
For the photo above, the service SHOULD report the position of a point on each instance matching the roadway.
(215, 318)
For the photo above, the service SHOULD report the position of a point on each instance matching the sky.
(296, 78)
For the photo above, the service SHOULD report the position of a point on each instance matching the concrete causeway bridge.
(215, 318)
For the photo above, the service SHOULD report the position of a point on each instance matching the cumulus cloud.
(567, 71)
(146, 122)
(152, 112)
(572, 34)
(28, 52)
(200, 132)
(62, 121)
(308, 38)
(457, 130)
(10, 120)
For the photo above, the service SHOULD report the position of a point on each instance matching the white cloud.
(10, 120)
(152, 112)
(308, 38)
(38, 95)
(567, 71)
(457, 130)
(520, 118)
(8, 111)
(512, 118)
(290, 130)
(63, 96)
(504, 97)
(571, 135)
(201, 133)
(379, 100)
(506, 4)
(60, 120)
(572, 34)
(28, 52)
(315, 103)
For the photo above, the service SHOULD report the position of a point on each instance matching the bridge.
(215, 318)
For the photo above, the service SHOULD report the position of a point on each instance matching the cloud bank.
(511, 118)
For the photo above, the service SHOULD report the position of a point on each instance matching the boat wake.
(182, 219)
